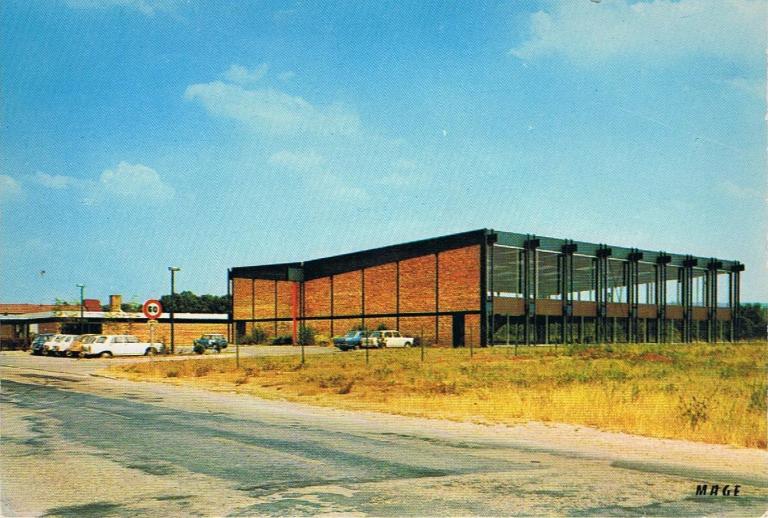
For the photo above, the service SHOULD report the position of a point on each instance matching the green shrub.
(256, 336)
(307, 335)
(694, 411)
(282, 340)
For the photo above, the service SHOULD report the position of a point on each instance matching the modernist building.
(489, 287)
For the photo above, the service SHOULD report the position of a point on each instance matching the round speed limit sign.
(152, 309)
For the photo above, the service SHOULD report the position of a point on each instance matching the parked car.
(60, 344)
(392, 338)
(118, 345)
(214, 341)
(50, 343)
(38, 343)
(76, 349)
(355, 340)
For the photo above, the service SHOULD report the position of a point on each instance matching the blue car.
(355, 340)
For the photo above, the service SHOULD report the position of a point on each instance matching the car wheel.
(407, 344)
(105, 354)
(151, 351)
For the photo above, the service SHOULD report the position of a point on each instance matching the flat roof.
(337, 264)
(112, 315)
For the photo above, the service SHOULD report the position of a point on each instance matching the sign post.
(152, 309)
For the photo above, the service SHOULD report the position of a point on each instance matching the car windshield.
(376, 334)
(352, 334)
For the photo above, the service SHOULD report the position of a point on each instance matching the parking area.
(90, 365)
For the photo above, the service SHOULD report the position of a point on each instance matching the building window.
(617, 287)
(547, 275)
(646, 283)
(507, 272)
(583, 278)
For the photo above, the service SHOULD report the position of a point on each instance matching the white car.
(60, 344)
(119, 345)
(392, 338)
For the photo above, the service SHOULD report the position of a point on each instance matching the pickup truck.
(107, 346)
(392, 338)
(355, 340)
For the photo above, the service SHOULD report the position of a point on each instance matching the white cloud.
(148, 7)
(753, 87)
(404, 173)
(55, 181)
(308, 160)
(134, 181)
(273, 110)
(286, 76)
(740, 191)
(9, 188)
(330, 186)
(241, 75)
(649, 31)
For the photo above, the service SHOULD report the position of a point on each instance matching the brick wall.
(453, 276)
(381, 289)
(459, 279)
(184, 333)
(417, 285)
(347, 293)
(242, 298)
(419, 326)
(264, 298)
(284, 294)
(317, 297)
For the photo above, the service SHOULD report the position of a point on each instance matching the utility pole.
(173, 270)
(82, 308)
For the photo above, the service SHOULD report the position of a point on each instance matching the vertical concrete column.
(529, 285)
(566, 289)
(711, 283)
(661, 296)
(688, 265)
(601, 294)
(634, 274)
(736, 270)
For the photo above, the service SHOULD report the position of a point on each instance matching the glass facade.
(698, 292)
(617, 284)
(584, 278)
(674, 285)
(646, 283)
(548, 275)
(507, 272)
(723, 289)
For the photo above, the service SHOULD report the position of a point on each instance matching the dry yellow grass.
(701, 392)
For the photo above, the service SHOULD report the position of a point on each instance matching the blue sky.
(138, 134)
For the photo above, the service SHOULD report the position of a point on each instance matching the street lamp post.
(82, 306)
(173, 270)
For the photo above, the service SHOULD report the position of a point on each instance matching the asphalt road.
(75, 444)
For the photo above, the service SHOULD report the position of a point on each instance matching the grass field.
(700, 392)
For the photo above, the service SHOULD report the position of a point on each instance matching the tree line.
(186, 302)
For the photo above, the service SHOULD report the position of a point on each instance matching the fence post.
(421, 342)
(471, 347)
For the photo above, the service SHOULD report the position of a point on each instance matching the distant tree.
(188, 302)
(753, 321)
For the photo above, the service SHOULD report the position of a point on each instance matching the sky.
(140, 134)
